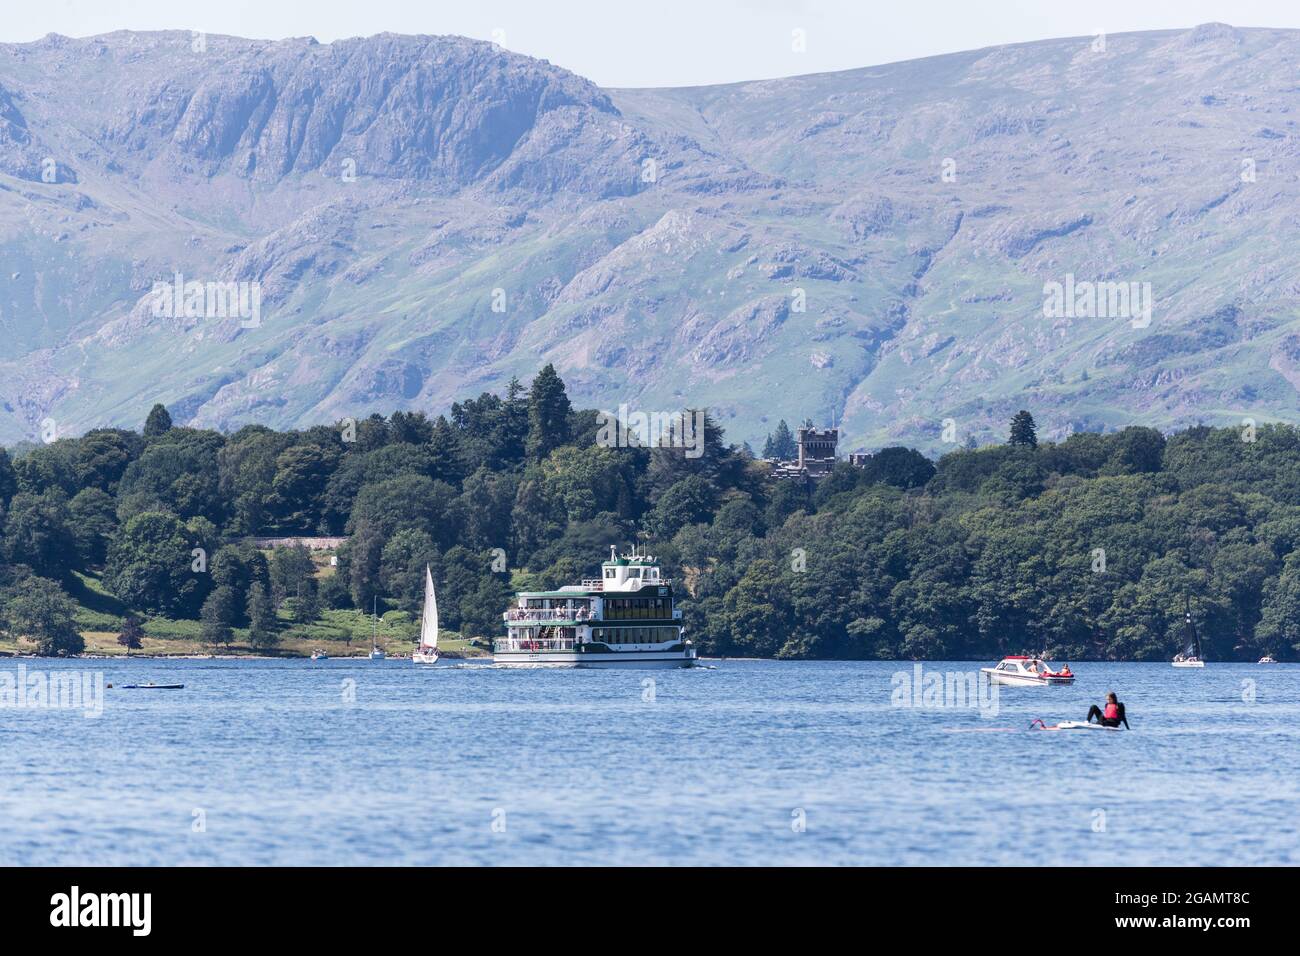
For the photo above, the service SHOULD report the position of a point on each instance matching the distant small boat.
(319, 656)
(426, 652)
(376, 653)
(153, 687)
(1191, 656)
(1268, 659)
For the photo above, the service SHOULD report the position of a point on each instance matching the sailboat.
(376, 653)
(1191, 657)
(426, 652)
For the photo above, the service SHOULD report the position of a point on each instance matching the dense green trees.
(37, 608)
(548, 414)
(131, 636)
(152, 565)
(38, 533)
(1091, 547)
(1023, 430)
(159, 421)
(781, 443)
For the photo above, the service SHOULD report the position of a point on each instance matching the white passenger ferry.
(624, 618)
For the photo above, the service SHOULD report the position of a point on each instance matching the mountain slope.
(427, 216)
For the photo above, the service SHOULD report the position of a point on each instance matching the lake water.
(741, 762)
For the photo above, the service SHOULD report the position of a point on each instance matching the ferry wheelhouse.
(624, 618)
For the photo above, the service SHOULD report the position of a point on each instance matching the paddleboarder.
(1112, 716)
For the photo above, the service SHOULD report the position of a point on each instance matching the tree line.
(1090, 548)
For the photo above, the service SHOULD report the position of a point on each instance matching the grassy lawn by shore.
(293, 643)
(342, 633)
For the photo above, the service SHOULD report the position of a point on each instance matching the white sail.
(429, 620)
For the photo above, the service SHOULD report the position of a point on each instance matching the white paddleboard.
(1080, 725)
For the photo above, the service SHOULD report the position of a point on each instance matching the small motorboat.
(1268, 659)
(1027, 671)
(153, 687)
(319, 656)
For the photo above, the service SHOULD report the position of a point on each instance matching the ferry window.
(609, 572)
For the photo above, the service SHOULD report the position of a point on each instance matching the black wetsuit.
(1105, 721)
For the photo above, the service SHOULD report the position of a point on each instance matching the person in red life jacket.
(1065, 671)
(1114, 714)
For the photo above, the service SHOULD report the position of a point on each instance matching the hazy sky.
(660, 42)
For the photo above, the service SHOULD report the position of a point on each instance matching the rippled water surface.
(360, 763)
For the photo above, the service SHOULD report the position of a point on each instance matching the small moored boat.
(319, 656)
(1268, 659)
(1026, 671)
(376, 652)
(153, 686)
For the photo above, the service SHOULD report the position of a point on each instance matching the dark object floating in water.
(153, 687)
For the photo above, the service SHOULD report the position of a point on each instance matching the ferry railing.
(545, 614)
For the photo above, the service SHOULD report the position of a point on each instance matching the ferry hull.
(624, 659)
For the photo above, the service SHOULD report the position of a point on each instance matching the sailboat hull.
(425, 657)
(1189, 663)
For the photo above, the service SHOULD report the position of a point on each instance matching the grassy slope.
(340, 633)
